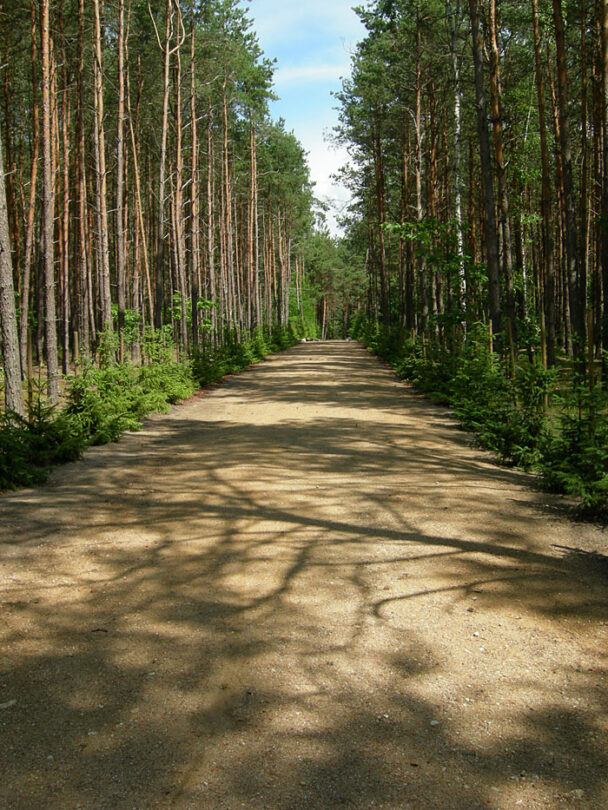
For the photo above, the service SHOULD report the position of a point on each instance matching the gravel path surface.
(305, 589)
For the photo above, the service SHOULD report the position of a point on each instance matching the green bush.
(214, 362)
(575, 455)
(104, 402)
(31, 446)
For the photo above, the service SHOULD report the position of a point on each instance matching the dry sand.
(303, 589)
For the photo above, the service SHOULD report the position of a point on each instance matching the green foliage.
(100, 404)
(104, 402)
(508, 415)
(575, 457)
(334, 287)
(210, 364)
(30, 446)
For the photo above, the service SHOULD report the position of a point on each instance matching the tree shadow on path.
(251, 606)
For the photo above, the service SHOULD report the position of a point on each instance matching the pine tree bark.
(13, 395)
(211, 285)
(228, 268)
(577, 292)
(454, 14)
(491, 236)
(604, 218)
(381, 217)
(547, 231)
(503, 194)
(66, 216)
(418, 123)
(101, 183)
(161, 224)
(138, 202)
(195, 226)
(83, 261)
(120, 173)
(48, 206)
(31, 209)
(180, 236)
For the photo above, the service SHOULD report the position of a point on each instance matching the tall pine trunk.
(101, 183)
(161, 223)
(195, 227)
(503, 195)
(576, 288)
(31, 210)
(491, 236)
(547, 229)
(120, 173)
(604, 229)
(48, 206)
(13, 395)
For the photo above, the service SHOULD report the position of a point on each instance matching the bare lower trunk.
(101, 194)
(48, 208)
(161, 218)
(30, 224)
(576, 287)
(13, 396)
(178, 200)
(452, 19)
(505, 223)
(195, 239)
(549, 262)
(604, 231)
(120, 172)
(491, 237)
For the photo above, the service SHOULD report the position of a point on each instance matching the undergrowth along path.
(303, 589)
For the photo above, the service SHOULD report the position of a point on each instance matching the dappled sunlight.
(234, 608)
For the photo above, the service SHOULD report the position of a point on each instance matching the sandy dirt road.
(303, 589)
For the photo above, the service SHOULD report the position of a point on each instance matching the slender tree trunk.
(577, 292)
(101, 194)
(548, 254)
(83, 255)
(424, 299)
(120, 173)
(491, 237)
(138, 204)
(505, 222)
(604, 202)
(195, 239)
(211, 270)
(31, 209)
(66, 217)
(250, 228)
(227, 217)
(381, 214)
(162, 180)
(180, 237)
(13, 395)
(48, 206)
(453, 16)
(62, 139)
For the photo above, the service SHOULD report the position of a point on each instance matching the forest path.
(302, 590)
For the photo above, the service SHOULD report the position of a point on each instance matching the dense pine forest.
(154, 219)
(158, 229)
(478, 136)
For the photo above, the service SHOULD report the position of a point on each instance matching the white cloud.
(310, 73)
(325, 160)
(313, 41)
(275, 20)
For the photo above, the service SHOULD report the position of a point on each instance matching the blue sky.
(312, 41)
